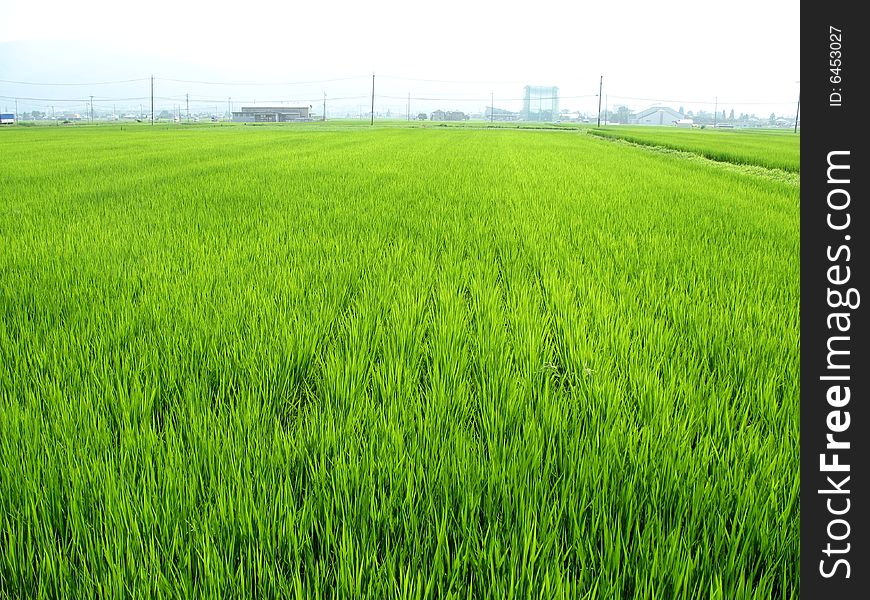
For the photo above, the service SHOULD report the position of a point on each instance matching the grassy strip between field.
(770, 149)
(779, 175)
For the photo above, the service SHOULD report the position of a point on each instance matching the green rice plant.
(336, 362)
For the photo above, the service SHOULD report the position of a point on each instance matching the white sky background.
(674, 52)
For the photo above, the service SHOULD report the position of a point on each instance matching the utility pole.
(409, 106)
(152, 99)
(16, 111)
(798, 113)
(491, 107)
(187, 100)
(229, 108)
(373, 99)
(92, 109)
(600, 87)
(606, 109)
(324, 107)
(716, 112)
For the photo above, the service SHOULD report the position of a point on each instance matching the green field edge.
(773, 174)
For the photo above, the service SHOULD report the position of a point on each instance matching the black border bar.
(835, 370)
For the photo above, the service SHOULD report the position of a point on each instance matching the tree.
(772, 119)
(422, 117)
(731, 118)
(623, 114)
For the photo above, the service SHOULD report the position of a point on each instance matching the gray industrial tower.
(540, 103)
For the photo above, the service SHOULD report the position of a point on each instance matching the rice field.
(328, 362)
(773, 149)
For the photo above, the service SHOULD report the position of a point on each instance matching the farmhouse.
(272, 114)
(450, 115)
(658, 115)
(500, 114)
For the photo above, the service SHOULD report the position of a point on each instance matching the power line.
(390, 100)
(228, 83)
(75, 84)
(349, 78)
(697, 101)
(204, 98)
(460, 99)
(449, 80)
(96, 99)
(282, 101)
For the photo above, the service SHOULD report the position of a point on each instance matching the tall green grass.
(268, 362)
(769, 148)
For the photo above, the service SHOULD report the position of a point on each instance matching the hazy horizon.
(450, 55)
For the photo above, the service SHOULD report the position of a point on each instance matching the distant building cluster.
(540, 103)
(448, 115)
(668, 116)
(272, 114)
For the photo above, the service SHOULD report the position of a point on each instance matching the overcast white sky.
(676, 52)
